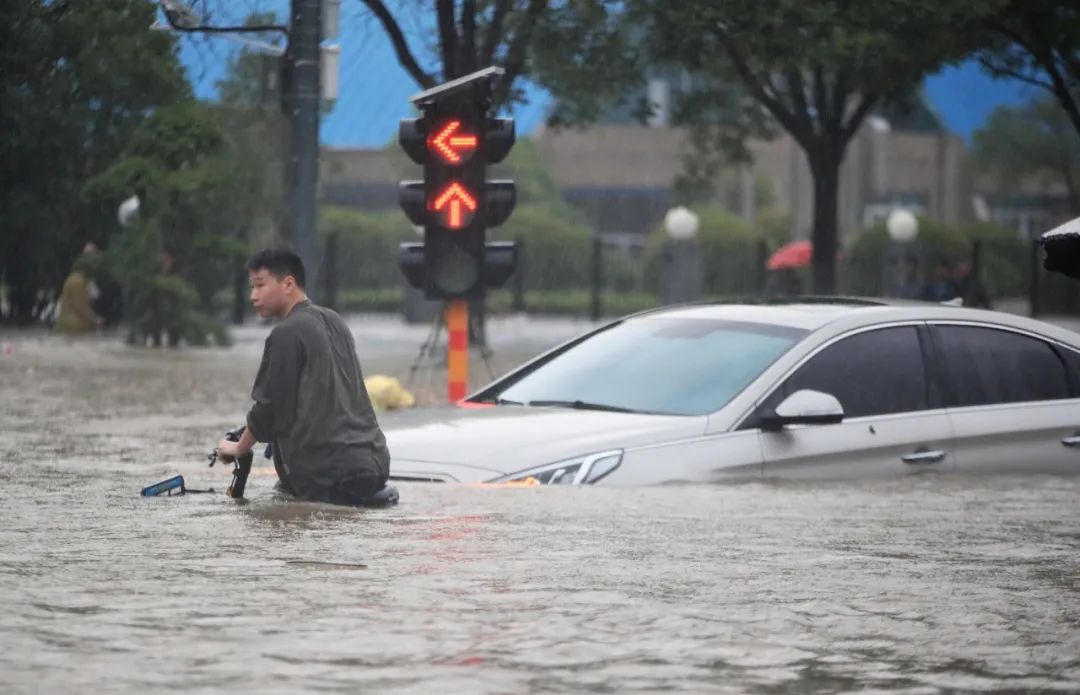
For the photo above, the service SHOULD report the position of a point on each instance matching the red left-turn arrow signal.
(449, 143)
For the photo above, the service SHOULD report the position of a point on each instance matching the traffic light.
(455, 140)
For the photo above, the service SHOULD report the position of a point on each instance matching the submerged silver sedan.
(836, 389)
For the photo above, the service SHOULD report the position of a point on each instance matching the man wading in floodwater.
(310, 401)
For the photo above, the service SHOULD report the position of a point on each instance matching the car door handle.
(924, 457)
(1071, 441)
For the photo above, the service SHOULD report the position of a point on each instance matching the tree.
(816, 68)
(256, 133)
(77, 78)
(197, 204)
(1038, 42)
(580, 50)
(1034, 140)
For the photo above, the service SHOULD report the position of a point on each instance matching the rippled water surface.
(927, 584)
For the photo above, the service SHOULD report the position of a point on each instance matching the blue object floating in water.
(165, 486)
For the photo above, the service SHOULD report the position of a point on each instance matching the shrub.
(731, 254)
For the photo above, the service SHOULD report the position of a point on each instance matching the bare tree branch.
(826, 117)
(468, 37)
(1045, 57)
(767, 97)
(1014, 74)
(444, 11)
(515, 54)
(1012, 34)
(401, 47)
(494, 32)
(1063, 94)
(841, 92)
(848, 130)
(800, 107)
(1071, 60)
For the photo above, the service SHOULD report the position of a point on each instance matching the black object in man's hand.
(241, 465)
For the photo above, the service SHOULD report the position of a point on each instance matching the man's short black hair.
(280, 261)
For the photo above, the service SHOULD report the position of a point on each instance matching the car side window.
(986, 366)
(872, 373)
(1072, 365)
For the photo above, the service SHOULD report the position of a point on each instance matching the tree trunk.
(1061, 90)
(826, 171)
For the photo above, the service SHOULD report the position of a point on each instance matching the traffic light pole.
(302, 111)
(455, 140)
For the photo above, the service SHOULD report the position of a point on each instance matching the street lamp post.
(683, 272)
(303, 109)
(898, 280)
(311, 22)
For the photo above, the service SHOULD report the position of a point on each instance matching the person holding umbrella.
(783, 264)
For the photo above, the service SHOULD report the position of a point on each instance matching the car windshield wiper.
(584, 405)
(498, 400)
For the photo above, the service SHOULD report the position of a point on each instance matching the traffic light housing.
(455, 140)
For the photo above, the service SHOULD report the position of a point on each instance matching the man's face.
(269, 295)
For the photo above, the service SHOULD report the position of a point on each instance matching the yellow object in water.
(387, 393)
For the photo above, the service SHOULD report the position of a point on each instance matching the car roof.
(807, 313)
(814, 313)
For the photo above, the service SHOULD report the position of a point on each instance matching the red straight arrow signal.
(454, 147)
(456, 204)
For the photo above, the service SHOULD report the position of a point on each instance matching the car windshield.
(677, 366)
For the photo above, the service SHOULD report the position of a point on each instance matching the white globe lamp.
(903, 227)
(128, 211)
(681, 223)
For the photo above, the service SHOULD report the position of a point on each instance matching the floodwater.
(919, 585)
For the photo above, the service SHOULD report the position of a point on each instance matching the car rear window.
(986, 366)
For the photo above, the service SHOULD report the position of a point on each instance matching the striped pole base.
(457, 357)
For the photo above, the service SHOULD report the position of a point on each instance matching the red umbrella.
(796, 254)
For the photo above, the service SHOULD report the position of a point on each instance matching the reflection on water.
(921, 585)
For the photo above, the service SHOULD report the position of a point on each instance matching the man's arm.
(237, 449)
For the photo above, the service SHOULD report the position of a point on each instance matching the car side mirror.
(805, 407)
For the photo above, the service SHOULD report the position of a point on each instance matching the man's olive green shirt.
(310, 402)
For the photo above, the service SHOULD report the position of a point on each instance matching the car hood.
(485, 443)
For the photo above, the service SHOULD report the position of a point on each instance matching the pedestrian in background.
(76, 315)
(968, 286)
(941, 288)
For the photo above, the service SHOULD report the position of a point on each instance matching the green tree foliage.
(731, 250)
(555, 246)
(256, 132)
(1003, 257)
(367, 245)
(77, 78)
(816, 68)
(197, 205)
(1034, 140)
